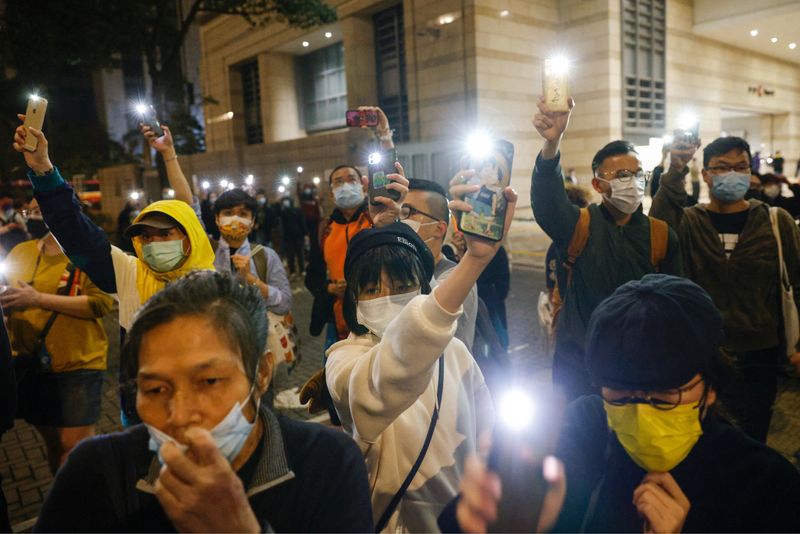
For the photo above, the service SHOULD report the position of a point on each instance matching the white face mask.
(626, 197)
(376, 314)
(229, 434)
(772, 191)
(416, 225)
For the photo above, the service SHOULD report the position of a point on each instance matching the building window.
(251, 94)
(324, 88)
(643, 67)
(390, 58)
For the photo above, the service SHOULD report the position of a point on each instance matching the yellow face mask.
(657, 440)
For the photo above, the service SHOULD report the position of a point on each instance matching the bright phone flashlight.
(516, 409)
(171, 193)
(374, 158)
(285, 180)
(688, 120)
(249, 179)
(556, 66)
(316, 180)
(134, 195)
(223, 183)
(667, 139)
(479, 144)
(34, 97)
(141, 108)
(281, 189)
(205, 185)
(231, 186)
(299, 169)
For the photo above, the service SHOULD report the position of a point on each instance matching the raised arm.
(551, 207)
(165, 146)
(85, 243)
(671, 197)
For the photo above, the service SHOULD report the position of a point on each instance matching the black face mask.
(38, 229)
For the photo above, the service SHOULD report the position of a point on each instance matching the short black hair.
(235, 310)
(614, 148)
(400, 263)
(235, 197)
(330, 176)
(436, 197)
(723, 145)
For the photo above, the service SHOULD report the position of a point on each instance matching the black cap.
(653, 333)
(396, 234)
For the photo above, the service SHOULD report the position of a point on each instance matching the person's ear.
(365, 184)
(596, 185)
(441, 230)
(707, 178)
(265, 369)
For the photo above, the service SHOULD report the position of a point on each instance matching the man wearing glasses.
(621, 243)
(731, 252)
(425, 211)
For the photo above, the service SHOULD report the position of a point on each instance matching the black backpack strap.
(387, 514)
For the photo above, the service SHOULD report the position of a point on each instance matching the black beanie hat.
(397, 234)
(653, 333)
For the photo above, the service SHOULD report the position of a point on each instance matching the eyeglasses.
(665, 400)
(623, 175)
(406, 211)
(724, 169)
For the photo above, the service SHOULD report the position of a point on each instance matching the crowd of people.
(670, 331)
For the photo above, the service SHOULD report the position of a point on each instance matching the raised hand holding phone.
(34, 118)
(38, 160)
(551, 125)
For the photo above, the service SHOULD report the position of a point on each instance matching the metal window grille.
(643, 66)
(324, 88)
(390, 59)
(251, 94)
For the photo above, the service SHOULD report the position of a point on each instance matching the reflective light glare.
(479, 144)
(558, 65)
(374, 158)
(504, 13)
(446, 19)
(229, 115)
(134, 195)
(249, 179)
(316, 180)
(34, 97)
(223, 183)
(299, 169)
(792, 46)
(3, 270)
(285, 180)
(281, 189)
(305, 44)
(328, 35)
(773, 40)
(171, 193)
(140, 108)
(753, 33)
(205, 185)
(516, 409)
(667, 139)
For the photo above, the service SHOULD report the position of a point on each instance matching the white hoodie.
(384, 391)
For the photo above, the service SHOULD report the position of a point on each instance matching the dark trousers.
(751, 394)
(570, 376)
(5, 523)
(293, 247)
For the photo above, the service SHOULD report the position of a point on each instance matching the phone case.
(493, 174)
(34, 118)
(556, 87)
(378, 177)
(353, 118)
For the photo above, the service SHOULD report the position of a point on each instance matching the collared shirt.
(279, 300)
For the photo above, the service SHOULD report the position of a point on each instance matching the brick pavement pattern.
(26, 477)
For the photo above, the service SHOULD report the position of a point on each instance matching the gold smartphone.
(556, 84)
(34, 118)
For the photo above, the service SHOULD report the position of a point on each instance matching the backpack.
(659, 239)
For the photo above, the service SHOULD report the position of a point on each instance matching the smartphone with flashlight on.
(147, 114)
(34, 118)
(381, 165)
(524, 435)
(555, 84)
(356, 118)
(492, 166)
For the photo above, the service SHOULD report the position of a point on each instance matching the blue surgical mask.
(229, 435)
(163, 256)
(348, 195)
(731, 186)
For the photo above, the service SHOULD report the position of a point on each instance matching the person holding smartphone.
(653, 451)
(401, 372)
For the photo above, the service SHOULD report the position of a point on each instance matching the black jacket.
(8, 381)
(308, 479)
